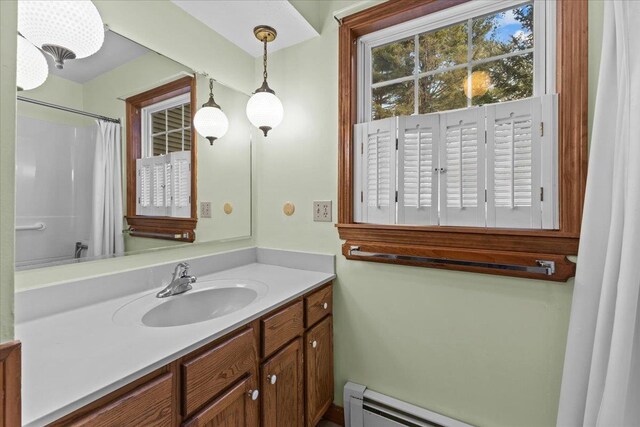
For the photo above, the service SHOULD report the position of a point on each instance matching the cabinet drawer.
(282, 327)
(211, 372)
(318, 304)
(236, 407)
(148, 405)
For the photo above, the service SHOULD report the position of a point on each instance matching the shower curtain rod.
(70, 110)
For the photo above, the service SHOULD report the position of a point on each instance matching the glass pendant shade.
(264, 111)
(211, 122)
(64, 29)
(31, 66)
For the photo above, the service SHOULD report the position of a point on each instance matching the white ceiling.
(115, 51)
(235, 20)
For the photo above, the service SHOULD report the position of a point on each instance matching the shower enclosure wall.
(53, 222)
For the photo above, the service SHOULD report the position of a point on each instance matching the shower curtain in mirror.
(601, 379)
(106, 226)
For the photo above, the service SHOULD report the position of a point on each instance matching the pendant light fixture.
(210, 121)
(64, 29)
(264, 109)
(31, 66)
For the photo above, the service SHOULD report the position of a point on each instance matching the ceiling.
(115, 51)
(235, 20)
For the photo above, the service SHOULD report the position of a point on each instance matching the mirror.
(56, 192)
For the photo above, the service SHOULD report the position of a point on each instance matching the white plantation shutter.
(514, 163)
(159, 185)
(462, 167)
(180, 166)
(418, 138)
(378, 139)
(143, 187)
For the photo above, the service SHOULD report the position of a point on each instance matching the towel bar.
(544, 267)
(38, 226)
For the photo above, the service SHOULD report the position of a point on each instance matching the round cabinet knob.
(272, 378)
(325, 305)
(313, 343)
(253, 394)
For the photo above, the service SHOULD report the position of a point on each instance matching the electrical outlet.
(205, 209)
(322, 211)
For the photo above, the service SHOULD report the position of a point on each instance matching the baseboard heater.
(367, 408)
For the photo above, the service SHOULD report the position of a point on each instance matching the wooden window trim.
(481, 244)
(156, 226)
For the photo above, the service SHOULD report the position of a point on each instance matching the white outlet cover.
(205, 209)
(322, 211)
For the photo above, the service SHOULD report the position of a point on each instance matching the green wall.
(8, 28)
(484, 349)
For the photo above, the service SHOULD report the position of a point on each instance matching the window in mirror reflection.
(164, 170)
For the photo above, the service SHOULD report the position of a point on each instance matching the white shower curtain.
(106, 226)
(601, 379)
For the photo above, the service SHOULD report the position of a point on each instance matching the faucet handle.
(181, 270)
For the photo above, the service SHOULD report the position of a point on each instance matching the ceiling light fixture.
(264, 109)
(210, 121)
(31, 66)
(64, 29)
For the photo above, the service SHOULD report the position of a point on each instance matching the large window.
(462, 131)
(458, 160)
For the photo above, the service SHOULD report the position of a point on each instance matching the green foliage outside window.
(443, 55)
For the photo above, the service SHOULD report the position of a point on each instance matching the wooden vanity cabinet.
(275, 371)
(283, 387)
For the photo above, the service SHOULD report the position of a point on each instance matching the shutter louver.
(379, 170)
(462, 167)
(418, 137)
(514, 164)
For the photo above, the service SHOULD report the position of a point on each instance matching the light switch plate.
(322, 211)
(205, 209)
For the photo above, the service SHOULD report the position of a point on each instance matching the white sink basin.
(207, 300)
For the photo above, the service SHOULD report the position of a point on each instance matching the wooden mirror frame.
(491, 245)
(159, 227)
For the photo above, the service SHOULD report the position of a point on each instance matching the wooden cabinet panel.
(319, 370)
(235, 408)
(282, 327)
(150, 404)
(318, 305)
(206, 375)
(282, 396)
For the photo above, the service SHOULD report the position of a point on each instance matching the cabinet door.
(319, 370)
(282, 388)
(238, 407)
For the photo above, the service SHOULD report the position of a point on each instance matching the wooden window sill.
(163, 227)
(499, 246)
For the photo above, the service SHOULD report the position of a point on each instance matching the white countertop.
(74, 357)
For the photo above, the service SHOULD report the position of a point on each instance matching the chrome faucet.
(180, 283)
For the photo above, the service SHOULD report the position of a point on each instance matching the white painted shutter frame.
(462, 167)
(379, 171)
(418, 138)
(358, 175)
(549, 179)
(514, 164)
